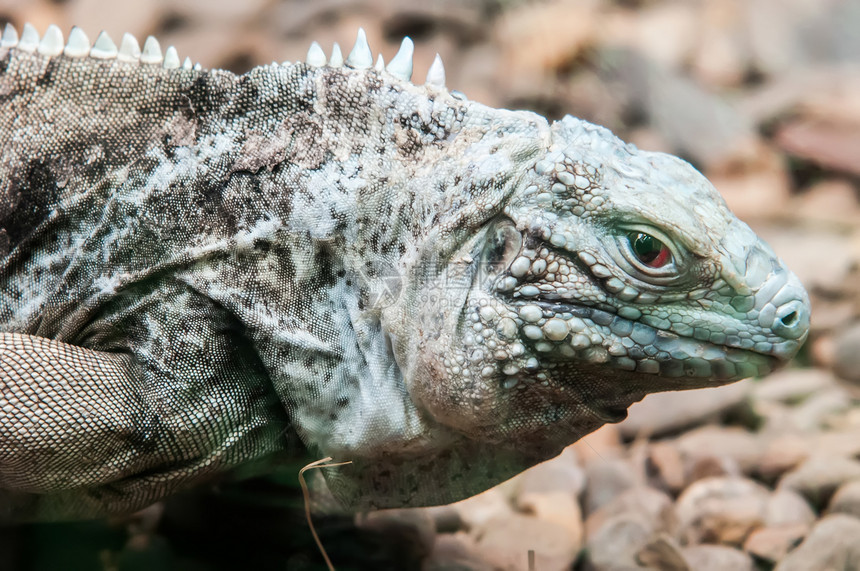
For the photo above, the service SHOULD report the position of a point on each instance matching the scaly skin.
(199, 269)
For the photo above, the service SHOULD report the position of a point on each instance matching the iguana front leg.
(85, 432)
(73, 417)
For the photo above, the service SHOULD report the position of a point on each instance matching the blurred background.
(763, 96)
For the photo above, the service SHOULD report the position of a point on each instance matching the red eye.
(649, 250)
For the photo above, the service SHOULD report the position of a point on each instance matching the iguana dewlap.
(199, 268)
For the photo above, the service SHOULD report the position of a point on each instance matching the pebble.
(606, 479)
(476, 511)
(507, 540)
(832, 544)
(846, 500)
(456, 551)
(717, 558)
(417, 525)
(689, 408)
(654, 508)
(782, 454)
(786, 507)
(721, 510)
(666, 466)
(846, 359)
(616, 544)
(731, 443)
(819, 477)
(557, 507)
(663, 553)
(771, 544)
(561, 474)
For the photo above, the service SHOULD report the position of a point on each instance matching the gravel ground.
(764, 97)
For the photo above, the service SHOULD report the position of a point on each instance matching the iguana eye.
(649, 250)
(503, 245)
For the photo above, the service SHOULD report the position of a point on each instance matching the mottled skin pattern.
(197, 269)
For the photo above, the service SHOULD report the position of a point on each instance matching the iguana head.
(607, 273)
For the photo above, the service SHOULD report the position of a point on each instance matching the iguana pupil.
(649, 250)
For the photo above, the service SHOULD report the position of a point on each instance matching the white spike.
(104, 48)
(29, 38)
(197, 66)
(187, 64)
(52, 42)
(436, 73)
(129, 49)
(336, 59)
(10, 37)
(360, 57)
(380, 63)
(401, 66)
(171, 58)
(78, 44)
(151, 52)
(316, 55)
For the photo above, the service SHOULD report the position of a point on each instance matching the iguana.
(199, 270)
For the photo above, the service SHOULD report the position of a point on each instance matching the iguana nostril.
(791, 320)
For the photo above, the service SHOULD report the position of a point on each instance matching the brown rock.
(786, 507)
(822, 349)
(793, 386)
(721, 510)
(802, 248)
(446, 518)
(662, 553)
(605, 479)
(754, 187)
(457, 551)
(838, 442)
(506, 542)
(412, 526)
(138, 18)
(478, 510)
(828, 200)
(722, 58)
(846, 499)
(605, 442)
(821, 409)
(771, 544)
(688, 408)
(557, 507)
(734, 444)
(540, 38)
(771, 30)
(711, 467)
(696, 123)
(782, 454)
(666, 467)
(717, 558)
(614, 547)
(832, 544)
(561, 474)
(846, 359)
(830, 145)
(819, 476)
(653, 507)
(666, 33)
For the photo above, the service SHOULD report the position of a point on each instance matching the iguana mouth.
(561, 332)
